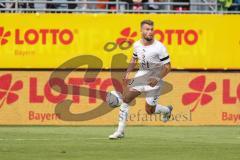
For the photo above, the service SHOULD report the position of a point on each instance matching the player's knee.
(149, 109)
(149, 112)
(126, 99)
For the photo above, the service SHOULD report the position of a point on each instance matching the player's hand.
(125, 80)
(152, 82)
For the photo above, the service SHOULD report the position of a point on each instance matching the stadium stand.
(121, 6)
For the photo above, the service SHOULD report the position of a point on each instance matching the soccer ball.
(114, 99)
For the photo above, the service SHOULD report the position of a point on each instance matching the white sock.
(161, 109)
(123, 113)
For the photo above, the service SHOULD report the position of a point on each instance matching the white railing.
(23, 6)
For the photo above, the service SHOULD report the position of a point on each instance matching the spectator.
(154, 6)
(125, 6)
(31, 5)
(10, 5)
(203, 7)
(112, 6)
(91, 5)
(51, 6)
(72, 5)
(224, 5)
(26, 5)
(82, 5)
(237, 7)
(137, 5)
(61, 6)
(181, 7)
(2, 5)
(122, 6)
(101, 6)
(40, 6)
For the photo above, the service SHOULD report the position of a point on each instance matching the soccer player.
(154, 65)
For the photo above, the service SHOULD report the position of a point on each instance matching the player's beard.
(148, 39)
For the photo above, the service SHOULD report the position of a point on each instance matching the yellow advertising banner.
(61, 98)
(49, 40)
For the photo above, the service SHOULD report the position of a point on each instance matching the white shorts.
(140, 83)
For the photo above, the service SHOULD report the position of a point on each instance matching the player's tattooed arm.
(130, 68)
(165, 70)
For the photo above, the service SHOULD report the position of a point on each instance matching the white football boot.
(116, 135)
(167, 116)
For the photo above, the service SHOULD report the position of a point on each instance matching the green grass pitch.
(140, 143)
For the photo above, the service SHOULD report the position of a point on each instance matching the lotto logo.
(4, 36)
(37, 36)
(202, 92)
(8, 89)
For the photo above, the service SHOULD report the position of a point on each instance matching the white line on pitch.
(45, 139)
(95, 138)
(34, 139)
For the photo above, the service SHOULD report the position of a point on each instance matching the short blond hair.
(149, 22)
